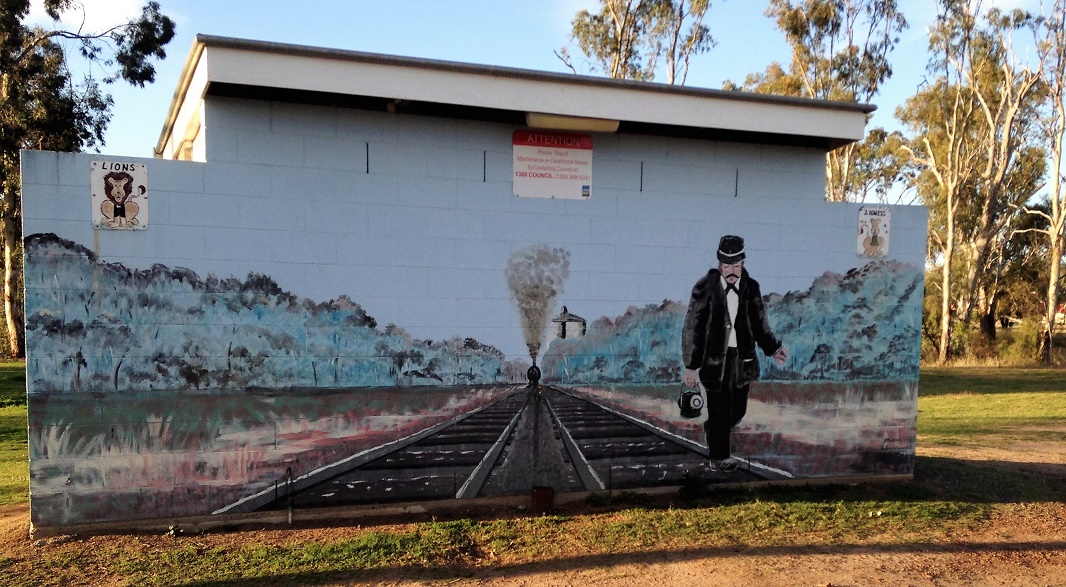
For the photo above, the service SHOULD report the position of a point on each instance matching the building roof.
(294, 73)
(566, 316)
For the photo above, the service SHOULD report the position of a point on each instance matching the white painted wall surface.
(414, 217)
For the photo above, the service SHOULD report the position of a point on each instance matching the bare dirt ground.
(1022, 545)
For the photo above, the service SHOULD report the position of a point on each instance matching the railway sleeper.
(617, 431)
(611, 450)
(408, 459)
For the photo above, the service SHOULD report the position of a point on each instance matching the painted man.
(726, 319)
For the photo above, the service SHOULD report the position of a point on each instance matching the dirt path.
(1027, 549)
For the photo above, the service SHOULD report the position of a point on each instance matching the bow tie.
(731, 287)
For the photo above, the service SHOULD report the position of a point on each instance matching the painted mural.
(842, 403)
(161, 392)
(170, 394)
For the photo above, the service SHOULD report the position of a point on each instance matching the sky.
(489, 32)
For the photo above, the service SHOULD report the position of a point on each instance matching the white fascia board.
(473, 88)
(186, 105)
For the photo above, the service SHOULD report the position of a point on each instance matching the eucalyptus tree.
(973, 129)
(631, 39)
(1052, 49)
(43, 107)
(840, 51)
(941, 117)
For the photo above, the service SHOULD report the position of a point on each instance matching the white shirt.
(732, 302)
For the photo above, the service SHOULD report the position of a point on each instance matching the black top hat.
(731, 249)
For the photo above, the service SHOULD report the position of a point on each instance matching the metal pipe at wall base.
(543, 500)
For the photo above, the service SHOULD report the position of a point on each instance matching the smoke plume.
(535, 276)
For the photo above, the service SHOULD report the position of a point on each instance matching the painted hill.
(97, 326)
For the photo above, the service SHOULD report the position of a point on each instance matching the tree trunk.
(979, 250)
(1054, 268)
(945, 302)
(988, 318)
(13, 311)
(1043, 353)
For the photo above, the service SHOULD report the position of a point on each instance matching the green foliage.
(1018, 345)
(840, 48)
(1024, 266)
(975, 146)
(840, 51)
(43, 107)
(631, 39)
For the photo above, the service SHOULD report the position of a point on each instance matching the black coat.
(705, 336)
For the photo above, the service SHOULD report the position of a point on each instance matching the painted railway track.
(534, 436)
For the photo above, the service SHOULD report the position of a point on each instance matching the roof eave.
(266, 70)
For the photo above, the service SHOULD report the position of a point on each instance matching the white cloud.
(91, 16)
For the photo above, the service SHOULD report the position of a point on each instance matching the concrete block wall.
(414, 219)
(399, 195)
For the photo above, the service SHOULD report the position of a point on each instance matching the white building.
(341, 226)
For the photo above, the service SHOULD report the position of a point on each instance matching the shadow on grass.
(935, 479)
(990, 380)
(600, 561)
(991, 481)
(12, 384)
(943, 490)
(945, 493)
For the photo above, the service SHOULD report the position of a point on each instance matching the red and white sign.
(552, 165)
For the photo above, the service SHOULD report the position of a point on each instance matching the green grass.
(725, 520)
(983, 407)
(991, 407)
(989, 380)
(12, 384)
(946, 496)
(14, 455)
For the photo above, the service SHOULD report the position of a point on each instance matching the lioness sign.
(552, 165)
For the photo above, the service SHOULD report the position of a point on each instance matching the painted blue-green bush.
(863, 325)
(101, 327)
